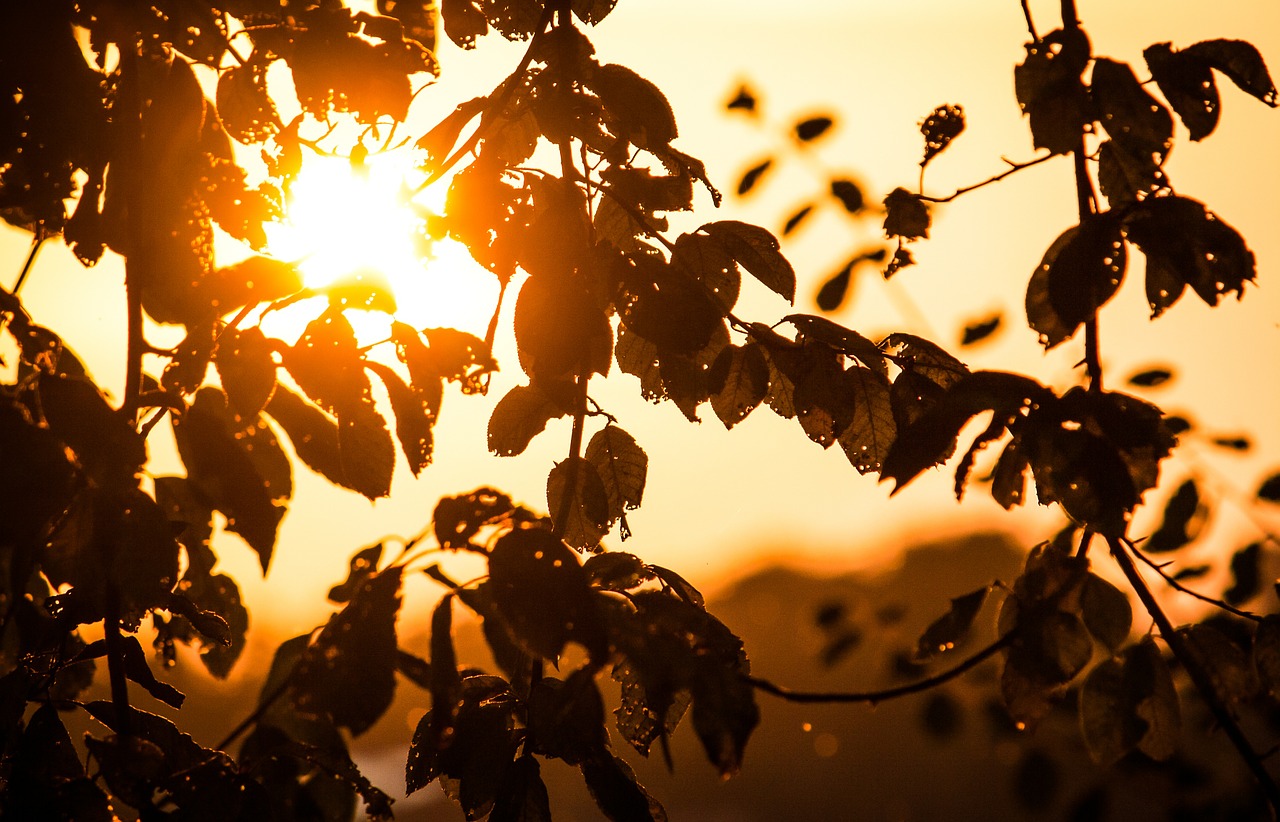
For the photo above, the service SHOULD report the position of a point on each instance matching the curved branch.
(873, 697)
(1175, 584)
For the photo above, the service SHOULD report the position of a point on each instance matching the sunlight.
(344, 223)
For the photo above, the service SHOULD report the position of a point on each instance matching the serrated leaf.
(739, 380)
(414, 417)
(950, 629)
(1185, 243)
(622, 466)
(246, 369)
(867, 438)
(706, 261)
(368, 455)
(578, 503)
(326, 363)
(521, 414)
(755, 249)
(640, 109)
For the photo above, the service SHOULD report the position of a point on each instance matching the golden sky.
(717, 501)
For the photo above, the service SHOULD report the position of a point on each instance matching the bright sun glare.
(342, 223)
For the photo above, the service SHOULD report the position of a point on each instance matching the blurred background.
(772, 527)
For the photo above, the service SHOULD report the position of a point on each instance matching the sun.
(344, 222)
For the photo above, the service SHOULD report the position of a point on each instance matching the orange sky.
(717, 501)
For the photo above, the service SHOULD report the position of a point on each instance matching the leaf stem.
(36, 242)
(1200, 677)
(873, 697)
(115, 662)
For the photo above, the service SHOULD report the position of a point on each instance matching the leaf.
(1052, 647)
(46, 778)
(1233, 443)
(566, 718)
(616, 792)
(1130, 702)
(362, 566)
(1224, 661)
(622, 466)
(1266, 653)
(756, 250)
(355, 653)
(833, 291)
(104, 443)
(907, 216)
(640, 111)
(578, 503)
(871, 431)
(219, 456)
(521, 414)
(739, 382)
(1188, 84)
(247, 110)
(849, 194)
(616, 571)
(635, 720)
(246, 370)
(797, 217)
(561, 330)
(901, 259)
(414, 417)
(743, 100)
(943, 125)
(811, 128)
(367, 453)
(314, 434)
(1184, 517)
(542, 593)
(137, 669)
(522, 797)
(704, 260)
(463, 21)
(1242, 64)
(845, 340)
(980, 330)
(950, 629)
(1247, 572)
(457, 519)
(1131, 116)
(1106, 611)
(751, 177)
(1047, 84)
(1080, 272)
(1185, 243)
(327, 364)
(1269, 489)
(1151, 377)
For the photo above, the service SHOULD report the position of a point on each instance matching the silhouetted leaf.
(561, 330)
(950, 629)
(867, 438)
(1080, 272)
(756, 250)
(1133, 118)
(221, 465)
(849, 194)
(1193, 572)
(1224, 661)
(463, 21)
(981, 329)
(943, 125)
(641, 111)
(414, 417)
(1151, 377)
(457, 519)
(1188, 84)
(37, 481)
(362, 565)
(521, 414)
(522, 796)
(1246, 573)
(542, 593)
(1186, 244)
(1106, 611)
(622, 466)
(1051, 648)
(46, 779)
(616, 571)
(907, 215)
(1130, 702)
(636, 720)
(743, 100)
(833, 291)
(704, 260)
(327, 364)
(1050, 92)
(137, 669)
(246, 370)
(578, 503)
(355, 653)
(901, 259)
(752, 176)
(797, 217)
(566, 718)
(1242, 64)
(739, 382)
(104, 443)
(1183, 518)
(314, 434)
(615, 790)
(1269, 489)
(367, 452)
(811, 128)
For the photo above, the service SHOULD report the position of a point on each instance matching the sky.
(721, 503)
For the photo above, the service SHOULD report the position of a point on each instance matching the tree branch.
(1013, 169)
(1200, 677)
(873, 697)
(1175, 584)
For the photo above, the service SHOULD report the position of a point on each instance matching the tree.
(560, 181)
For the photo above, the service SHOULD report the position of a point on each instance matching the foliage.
(126, 126)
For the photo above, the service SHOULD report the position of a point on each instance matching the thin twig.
(873, 697)
(1174, 583)
(36, 242)
(1031, 27)
(1012, 169)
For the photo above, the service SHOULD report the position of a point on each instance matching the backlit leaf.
(578, 503)
(811, 128)
(751, 177)
(833, 291)
(1106, 611)
(414, 417)
(739, 382)
(756, 250)
(622, 466)
(246, 369)
(463, 21)
(327, 364)
(1188, 84)
(950, 629)
(1080, 272)
(521, 414)
(907, 216)
(640, 110)
(797, 217)
(943, 125)
(980, 330)
(1130, 702)
(1247, 574)
(743, 100)
(247, 110)
(1049, 90)
(78, 414)
(615, 790)
(1183, 518)
(457, 519)
(867, 438)
(849, 194)
(1242, 64)
(366, 451)
(1269, 489)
